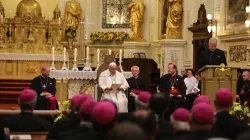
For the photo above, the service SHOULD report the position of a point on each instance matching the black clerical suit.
(166, 83)
(228, 126)
(208, 57)
(135, 84)
(70, 122)
(79, 132)
(198, 135)
(37, 85)
(27, 122)
(245, 92)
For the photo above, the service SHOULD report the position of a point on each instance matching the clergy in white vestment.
(110, 77)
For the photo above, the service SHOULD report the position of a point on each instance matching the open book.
(195, 90)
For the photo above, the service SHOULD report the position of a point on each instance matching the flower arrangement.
(109, 37)
(70, 31)
(240, 112)
(64, 109)
(174, 91)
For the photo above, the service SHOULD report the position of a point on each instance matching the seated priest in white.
(114, 85)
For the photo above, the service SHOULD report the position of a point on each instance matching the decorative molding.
(234, 37)
(173, 42)
(238, 53)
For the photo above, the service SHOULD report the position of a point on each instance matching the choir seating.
(47, 114)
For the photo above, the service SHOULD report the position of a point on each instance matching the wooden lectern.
(216, 77)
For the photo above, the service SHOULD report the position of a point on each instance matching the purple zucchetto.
(203, 113)
(104, 112)
(27, 96)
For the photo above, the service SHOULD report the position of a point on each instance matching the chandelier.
(211, 24)
(247, 22)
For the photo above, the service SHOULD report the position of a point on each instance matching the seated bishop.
(114, 85)
(45, 88)
(137, 84)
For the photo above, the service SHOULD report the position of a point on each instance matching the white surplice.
(118, 97)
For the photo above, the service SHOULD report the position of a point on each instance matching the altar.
(69, 83)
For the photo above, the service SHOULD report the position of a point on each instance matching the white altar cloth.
(30, 57)
(87, 75)
(80, 81)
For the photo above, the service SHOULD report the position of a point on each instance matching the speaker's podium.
(215, 77)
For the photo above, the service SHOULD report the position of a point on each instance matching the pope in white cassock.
(110, 77)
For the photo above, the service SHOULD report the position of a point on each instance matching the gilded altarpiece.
(114, 13)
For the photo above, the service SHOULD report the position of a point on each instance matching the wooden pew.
(47, 114)
(33, 135)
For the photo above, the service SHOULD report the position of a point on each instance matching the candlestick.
(59, 21)
(87, 53)
(109, 51)
(1, 18)
(120, 55)
(64, 54)
(98, 55)
(53, 54)
(75, 54)
(49, 15)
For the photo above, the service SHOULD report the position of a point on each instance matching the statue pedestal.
(135, 47)
(172, 51)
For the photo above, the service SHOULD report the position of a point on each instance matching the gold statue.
(72, 13)
(222, 72)
(174, 19)
(135, 13)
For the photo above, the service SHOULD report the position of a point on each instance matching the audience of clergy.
(158, 116)
(26, 121)
(136, 84)
(212, 56)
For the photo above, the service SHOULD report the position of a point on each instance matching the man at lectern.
(212, 56)
(45, 88)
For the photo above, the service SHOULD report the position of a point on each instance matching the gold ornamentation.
(31, 68)
(222, 72)
(238, 53)
(28, 7)
(72, 13)
(174, 19)
(235, 16)
(174, 57)
(88, 87)
(135, 13)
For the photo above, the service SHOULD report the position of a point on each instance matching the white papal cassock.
(118, 97)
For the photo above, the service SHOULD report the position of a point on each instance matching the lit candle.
(75, 54)
(59, 21)
(87, 54)
(120, 55)
(98, 55)
(10, 13)
(109, 51)
(53, 54)
(49, 15)
(64, 54)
